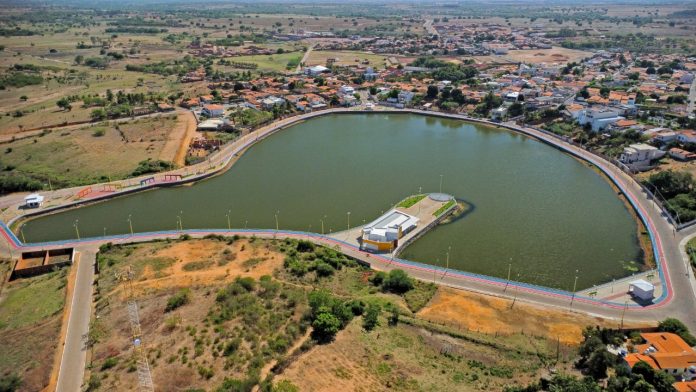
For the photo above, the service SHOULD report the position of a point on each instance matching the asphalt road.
(72, 363)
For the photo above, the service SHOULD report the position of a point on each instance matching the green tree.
(10, 383)
(98, 114)
(371, 317)
(326, 326)
(397, 281)
(432, 92)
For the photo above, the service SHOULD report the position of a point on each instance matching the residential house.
(640, 155)
(666, 352)
(686, 136)
(599, 118)
(270, 102)
(213, 110)
(682, 155)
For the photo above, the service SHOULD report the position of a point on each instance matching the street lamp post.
(229, 225)
(276, 220)
(575, 285)
(77, 230)
(348, 220)
(441, 183)
(21, 231)
(508, 276)
(130, 224)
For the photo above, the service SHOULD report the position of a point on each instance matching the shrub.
(397, 281)
(326, 325)
(10, 383)
(99, 133)
(181, 298)
(322, 269)
(370, 319)
(109, 363)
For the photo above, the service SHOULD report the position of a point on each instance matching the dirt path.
(181, 137)
(266, 370)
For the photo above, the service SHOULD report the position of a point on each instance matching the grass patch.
(197, 265)
(444, 208)
(410, 201)
(421, 294)
(32, 300)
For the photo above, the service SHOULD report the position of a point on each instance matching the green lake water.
(533, 206)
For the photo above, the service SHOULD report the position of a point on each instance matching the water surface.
(533, 206)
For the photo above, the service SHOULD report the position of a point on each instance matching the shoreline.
(233, 154)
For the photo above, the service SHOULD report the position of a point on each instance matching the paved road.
(692, 98)
(72, 363)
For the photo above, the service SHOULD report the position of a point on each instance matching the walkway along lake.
(534, 207)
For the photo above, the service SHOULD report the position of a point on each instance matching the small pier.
(403, 224)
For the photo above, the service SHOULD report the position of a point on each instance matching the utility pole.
(508, 276)
(623, 313)
(575, 285)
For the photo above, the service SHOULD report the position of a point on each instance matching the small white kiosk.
(33, 201)
(642, 290)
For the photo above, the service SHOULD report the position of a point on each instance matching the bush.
(149, 166)
(326, 326)
(109, 363)
(181, 298)
(10, 383)
(323, 270)
(370, 319)
(397, 281)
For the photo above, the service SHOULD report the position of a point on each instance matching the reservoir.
(534, 208)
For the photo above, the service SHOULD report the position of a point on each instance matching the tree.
(397, 281)
(432, 92)
(370, 319)
(98, 114)
(10, 383)
(598, 363)
(326, 326)
(79, 58)
(394, 317)
(516, 109)
(64, 104)
(671, 183)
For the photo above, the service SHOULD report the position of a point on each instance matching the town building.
(213, 110)
(598, 119)
(384, 233)
(640, 155)
(666, 352)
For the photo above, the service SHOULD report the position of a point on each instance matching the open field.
(319, 57)
(198, 344)
(267, 63)
(30, 321)
(100, 152)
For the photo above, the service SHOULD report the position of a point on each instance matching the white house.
(271, 102)
(598, 118)
(642, 290)
(316, 70)
(346, 90)
(686, 136)
(640, 155)
(406, 96)
(33, 201)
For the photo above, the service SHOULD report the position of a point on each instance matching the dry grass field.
(30, 322)
(319, 57)
(437, 348)
(95, 153)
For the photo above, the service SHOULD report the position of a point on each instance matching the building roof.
(643, 285)
(685, 386)
(663, 350)
(213, 107)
